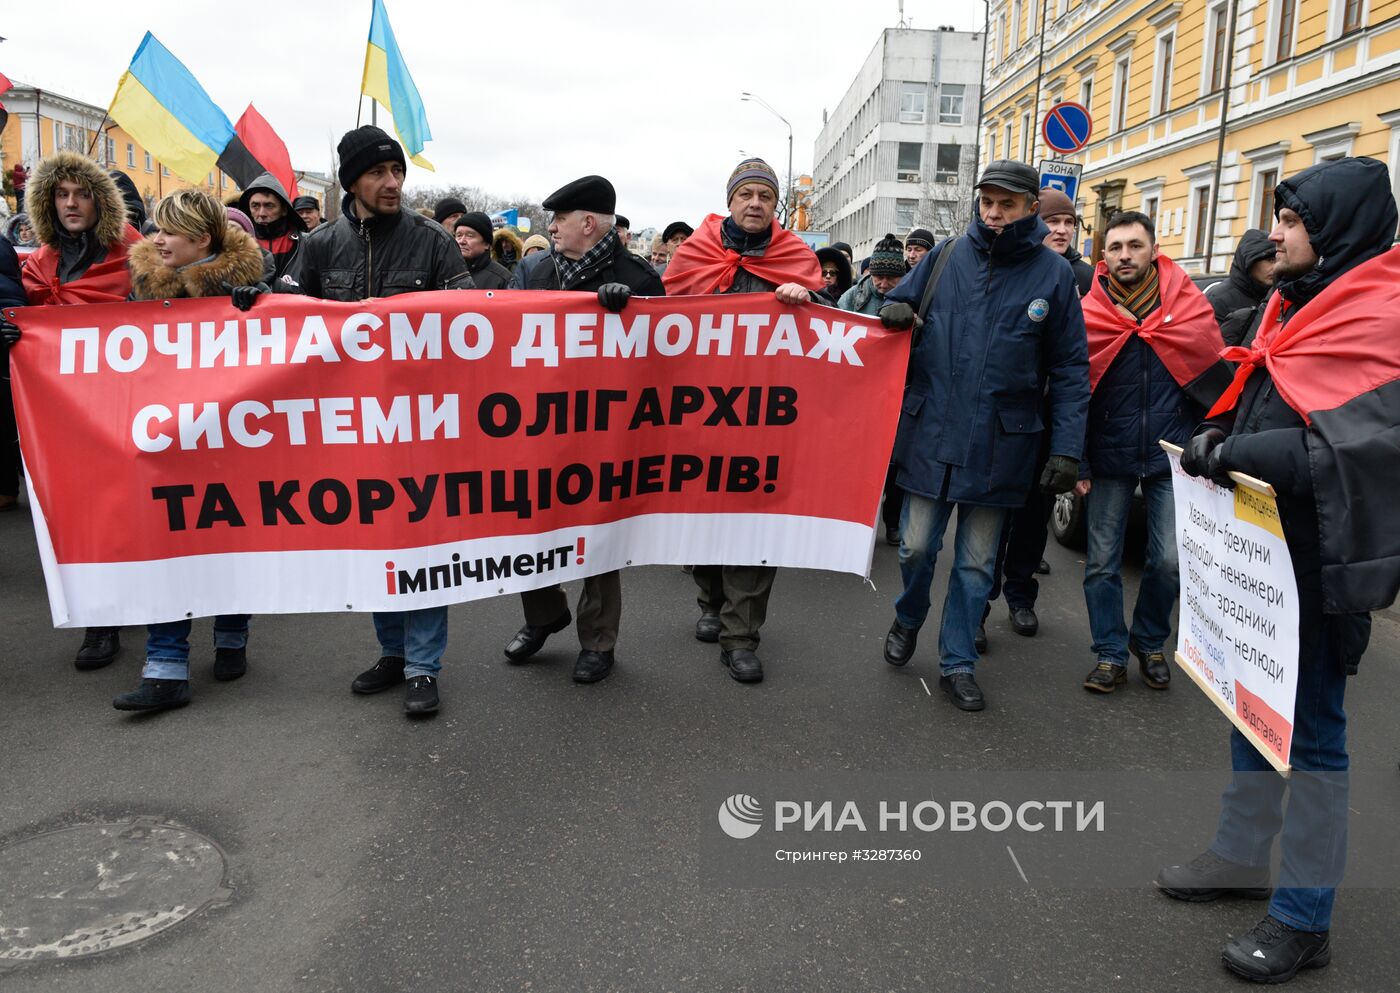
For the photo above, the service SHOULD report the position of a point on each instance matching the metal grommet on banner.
(349, 606)
(490, 294)
(166, 302)
(189, 613)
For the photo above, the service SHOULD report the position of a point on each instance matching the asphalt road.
(540, 835)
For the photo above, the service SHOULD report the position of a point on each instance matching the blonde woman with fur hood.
(195, 252)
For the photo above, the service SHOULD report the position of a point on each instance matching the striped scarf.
(1139, 300)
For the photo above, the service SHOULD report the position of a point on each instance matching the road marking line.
(1017, 863)
(926, 689)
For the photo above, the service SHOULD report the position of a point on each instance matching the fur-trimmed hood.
(43, 183)
(239, 264)
(506, 236)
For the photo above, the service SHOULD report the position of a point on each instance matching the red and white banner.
(185, 459)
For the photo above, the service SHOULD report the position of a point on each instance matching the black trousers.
(9, 440)
(894, 499)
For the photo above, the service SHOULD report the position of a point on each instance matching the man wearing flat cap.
(585, 255)
(746, 252)
(378, 249)
(309, 211)
(1001, 334)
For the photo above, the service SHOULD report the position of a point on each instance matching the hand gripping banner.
(184, 459)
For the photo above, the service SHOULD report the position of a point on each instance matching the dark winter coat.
(1238, 298)
(381, 256)
(238, 263)
(1350, 216)
(1136, 404)
(538, 272)
(283, 235)
(11, 289)
(1004, 324)
(1083, 271)
(487, 273)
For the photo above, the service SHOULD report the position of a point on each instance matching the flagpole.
(360, 100)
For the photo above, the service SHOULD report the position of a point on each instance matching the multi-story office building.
(899, 150)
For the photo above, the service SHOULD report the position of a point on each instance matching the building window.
(130, 155)
(1015, 24)
(913, 102)
(1352, 16)
(904, 214)
(1001, 40)
(949, 161)
(950, 103)
(1150, 207)
(991, 144)
(1026, 143)
(910, 166)
(165, 170)
(1121, 79)
(1200, 218)
(1086, 94)
(1285, 18)
(1217, 35)
(148, 162)
(1162, 84)
(1006, 142)
(1268, 179)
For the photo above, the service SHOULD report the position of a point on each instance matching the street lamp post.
(787, 199)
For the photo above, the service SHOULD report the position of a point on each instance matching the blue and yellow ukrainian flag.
(387, 81)
(161, 105)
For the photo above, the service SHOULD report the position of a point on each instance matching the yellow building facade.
(1308, 80)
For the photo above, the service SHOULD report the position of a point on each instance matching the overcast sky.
(521, 96)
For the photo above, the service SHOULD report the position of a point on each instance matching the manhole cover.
(86, 889)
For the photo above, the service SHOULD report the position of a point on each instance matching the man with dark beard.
(1313, 412)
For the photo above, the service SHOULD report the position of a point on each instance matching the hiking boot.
(155, 694)
(1273, 952)
(1209, 877)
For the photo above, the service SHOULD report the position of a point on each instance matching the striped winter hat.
(751, 171)
(888, 258)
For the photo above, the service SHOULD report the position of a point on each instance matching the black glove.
(9, 333)
(614, 296)
(245, 296)
(1199, 449)
(1217, 469)
(897, 316)
(1060, 474)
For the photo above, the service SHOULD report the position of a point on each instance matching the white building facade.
(900, 148)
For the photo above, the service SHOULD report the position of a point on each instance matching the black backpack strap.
(939, 264)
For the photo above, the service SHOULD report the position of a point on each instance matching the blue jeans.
(1107, 506)
(168, 644)
(1314, 831)
(419, 637)
(921, 528)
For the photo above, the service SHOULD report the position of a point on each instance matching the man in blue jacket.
(1003, 325)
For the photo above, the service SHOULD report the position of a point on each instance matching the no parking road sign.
(1067, 127)
(1062, 176)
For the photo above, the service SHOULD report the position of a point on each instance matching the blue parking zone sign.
(1059, 175)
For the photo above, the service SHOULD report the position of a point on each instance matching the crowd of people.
(1031, 374)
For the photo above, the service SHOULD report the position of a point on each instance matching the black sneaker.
(1273, 952)
(707, 628)
(155, 694)
(980, 640)
(421, 696)
(388, 671)
(593, 666)
(1209, 877)
(99, 648)
(230, 663)
(892, 537)
(1105, 677)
